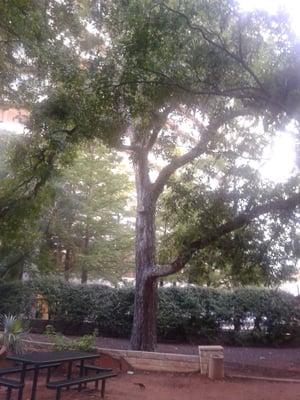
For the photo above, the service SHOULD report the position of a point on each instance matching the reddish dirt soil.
(274, 362)
(163, 386)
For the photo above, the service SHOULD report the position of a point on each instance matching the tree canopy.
(87, 228)
(83, 229)
(168, 82)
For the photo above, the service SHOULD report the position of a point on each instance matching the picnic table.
(39, 360)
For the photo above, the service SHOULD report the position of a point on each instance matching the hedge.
(244, 315)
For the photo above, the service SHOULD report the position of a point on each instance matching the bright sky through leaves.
(281, 155)
(272, 6)
(283, 150)
(281, 158)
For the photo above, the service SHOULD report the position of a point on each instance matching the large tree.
(203, 75)
(180, 81)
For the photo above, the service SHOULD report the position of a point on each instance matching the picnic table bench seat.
(67, 383)
(10, 384)
(92, 367)
(18, 369)
(10, 370)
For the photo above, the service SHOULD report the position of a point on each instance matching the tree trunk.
(143, 335)
(86, 241)
(68, 265)
(84, 275)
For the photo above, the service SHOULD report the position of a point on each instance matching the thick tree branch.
(179, 162)
(125, 147)
(238, 92)
(158, 121)
(243, 219)
(199, 149)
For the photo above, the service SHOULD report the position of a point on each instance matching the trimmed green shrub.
(15, 299)
(242, 316)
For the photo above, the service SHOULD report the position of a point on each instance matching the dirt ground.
(165, 386)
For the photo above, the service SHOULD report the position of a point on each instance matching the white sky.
(272, 6)
(282, 153)
(14, 127)
(281, 158)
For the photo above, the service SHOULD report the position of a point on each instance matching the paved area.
(255, 360)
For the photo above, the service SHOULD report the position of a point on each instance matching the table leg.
(8, 393)
(58, 393)
(103, 388)
(34, 382)
(69, 371)
(81, 373)
(48, 375)
(22, 380)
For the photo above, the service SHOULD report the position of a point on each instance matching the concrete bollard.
(205, 352)
(216, 367)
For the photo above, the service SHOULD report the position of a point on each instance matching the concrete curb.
(263, 378)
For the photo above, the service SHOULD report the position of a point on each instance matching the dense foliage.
(264, 252)
(136, 74)
(86, 229)
(83, 230)
(245, 315)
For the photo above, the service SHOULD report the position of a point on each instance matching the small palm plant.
(11, 337)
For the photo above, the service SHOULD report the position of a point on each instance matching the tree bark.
(86, 241)
(68, 265)
(143, 335)
(84, 275)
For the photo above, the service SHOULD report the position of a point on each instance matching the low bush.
(61, 343)
(241, 316)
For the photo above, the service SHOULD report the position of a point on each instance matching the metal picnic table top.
(49, 357)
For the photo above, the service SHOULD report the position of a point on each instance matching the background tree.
(85, 226)
(15, 244)
(88, 229)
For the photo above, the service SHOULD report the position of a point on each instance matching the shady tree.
(170, 82)
(199, 78)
